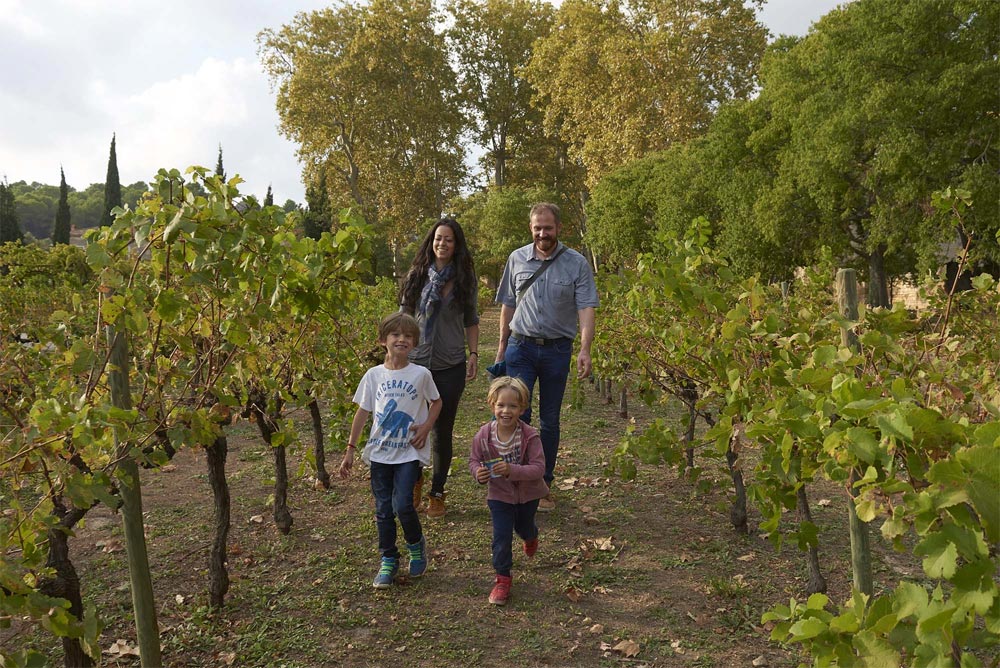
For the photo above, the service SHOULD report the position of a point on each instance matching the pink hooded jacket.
(525, 481)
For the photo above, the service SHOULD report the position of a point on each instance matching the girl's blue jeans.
(509, 518)
(392, 486)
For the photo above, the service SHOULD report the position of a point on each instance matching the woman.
(440, 291)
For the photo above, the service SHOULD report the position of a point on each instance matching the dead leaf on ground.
(122, 648)
(257, 519)
(586, 510)
(604, 544)
(628, 648)
(746, 557)
(109, 546)
(676, 645)
(823, 502)
(573, 594)
(228, 658)
(167, 468)
(597, 628)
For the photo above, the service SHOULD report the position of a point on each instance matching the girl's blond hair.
(509, 383)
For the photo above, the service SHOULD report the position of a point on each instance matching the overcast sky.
(173, 80)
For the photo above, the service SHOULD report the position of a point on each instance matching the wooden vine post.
(147, 630)
(861, 556)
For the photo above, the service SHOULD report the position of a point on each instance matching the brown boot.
(436, 507)
(418, 492)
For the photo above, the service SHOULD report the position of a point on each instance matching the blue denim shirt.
(549, 308)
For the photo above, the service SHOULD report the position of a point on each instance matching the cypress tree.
(269, 197)
(10, 230)
(60, 231)
(317, 217)
(219, 169)
(112, 187)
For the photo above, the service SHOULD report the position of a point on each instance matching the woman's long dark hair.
(465, 273)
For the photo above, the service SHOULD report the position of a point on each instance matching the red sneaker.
(501, 590)
(531, 546)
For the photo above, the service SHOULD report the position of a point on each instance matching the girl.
(440, 291)
(507, 454)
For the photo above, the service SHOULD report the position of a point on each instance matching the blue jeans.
(508, 518)
(549, 365)
(392, 485)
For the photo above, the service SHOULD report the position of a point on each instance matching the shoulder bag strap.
(538, 272)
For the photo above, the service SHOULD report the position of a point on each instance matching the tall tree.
(61, 228)
(317, 218)
(112, 187)
(219, 169)
(492, 42)
(10, 230)
(884, 103)
(367, 92)
(621, 78)
(269, 197)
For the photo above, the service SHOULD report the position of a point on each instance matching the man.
(538, 322)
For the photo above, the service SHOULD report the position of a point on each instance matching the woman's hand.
(482, 474)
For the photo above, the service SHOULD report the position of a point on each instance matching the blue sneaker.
(390, 566)
(418, 557)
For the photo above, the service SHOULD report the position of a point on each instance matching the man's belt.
(538, 341)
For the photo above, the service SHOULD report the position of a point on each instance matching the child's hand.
(482, 474)
(502, 468)
(420, 433)
(347, 463)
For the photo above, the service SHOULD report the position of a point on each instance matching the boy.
(405, 403)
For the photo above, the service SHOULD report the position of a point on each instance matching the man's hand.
(583, 364)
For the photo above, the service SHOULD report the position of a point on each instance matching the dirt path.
(646, 572)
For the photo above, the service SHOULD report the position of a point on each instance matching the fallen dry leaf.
(676, 645)
(122, 648)
(823, 502)
(597, 628)
(604, 544)
(228, 658)
(573, 594)
(628, 648)
(586, 510)
(257, 519)
(746, 557)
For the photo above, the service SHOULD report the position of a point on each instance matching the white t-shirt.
(397, 400)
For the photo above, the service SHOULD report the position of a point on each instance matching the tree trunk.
(817, 583)
(738, 513)
(218, 577)
(267, 426)
(623, 402)
(319, 452)
(65, 583)
(690, 396)
(878, 282)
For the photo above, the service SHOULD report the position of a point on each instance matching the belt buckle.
(540, 342)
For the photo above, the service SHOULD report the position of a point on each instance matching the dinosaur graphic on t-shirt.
(393, 423)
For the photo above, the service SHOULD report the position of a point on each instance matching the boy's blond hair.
(399, 322)
(508, 383)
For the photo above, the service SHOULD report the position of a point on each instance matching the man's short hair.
(546, 206)
(399, 322)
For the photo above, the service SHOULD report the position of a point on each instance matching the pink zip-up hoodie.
(525, 482)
